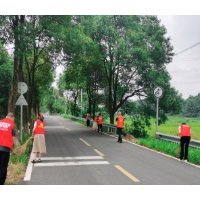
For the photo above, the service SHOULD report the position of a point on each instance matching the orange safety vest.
(39, 129)
(6, 138)
(88, 116)
(185, 130)
(95, 119)
(100, 120)
(120, 121)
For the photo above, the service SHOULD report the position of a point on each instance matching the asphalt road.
(77, 155)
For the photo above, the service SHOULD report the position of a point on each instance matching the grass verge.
(17, 164)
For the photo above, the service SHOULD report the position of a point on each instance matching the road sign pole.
(157, 115)
(21, 122)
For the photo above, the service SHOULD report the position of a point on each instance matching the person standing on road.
(120, 124)
(88, 119)
(39, 145)
(95, 123)
(185, 136)
(7, 134)
(100, 122)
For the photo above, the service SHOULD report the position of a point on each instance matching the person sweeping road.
(88, 119)
(7, 133)
(100, 122)
(39, 145)
(120, 124)
(185, 136)
(95, 123)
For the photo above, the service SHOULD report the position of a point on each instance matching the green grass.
(170, 148)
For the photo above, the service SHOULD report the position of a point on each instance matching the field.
(171, 126)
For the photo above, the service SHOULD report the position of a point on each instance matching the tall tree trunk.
(110, 108)
(94, 107)
(75, 98)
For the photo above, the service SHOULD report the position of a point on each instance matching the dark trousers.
(88, 122)
(185, 140)
(4, 159)
(99, 127)
(119, 130)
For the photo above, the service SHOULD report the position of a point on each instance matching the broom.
(177, 150)
(20, 151)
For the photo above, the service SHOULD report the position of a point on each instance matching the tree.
(135, 54)
(6, 73)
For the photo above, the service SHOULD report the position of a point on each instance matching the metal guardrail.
(104, 124)
(175, 139)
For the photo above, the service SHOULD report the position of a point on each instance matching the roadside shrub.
(137, 127)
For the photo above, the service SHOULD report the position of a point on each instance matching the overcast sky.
(184, 31)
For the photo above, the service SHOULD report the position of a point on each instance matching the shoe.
(39, 160)
(33, 161)
(120, 141)
(185, 160)
(180, 160)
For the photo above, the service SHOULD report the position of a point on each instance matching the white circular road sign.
(158, 92)
(22, 87)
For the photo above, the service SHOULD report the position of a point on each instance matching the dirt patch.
(15, 173)
(111, 133)
(129, 138)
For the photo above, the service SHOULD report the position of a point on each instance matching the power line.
(187, 49)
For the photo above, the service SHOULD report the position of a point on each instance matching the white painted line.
(54, 127)
(73, 158)
(27, 176)
(71, 163)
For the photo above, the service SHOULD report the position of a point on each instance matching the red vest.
(39, 129)
(185, 130)
(95, 120)
(120, 121)
(88, 116)
(6, 138)
(100, 120)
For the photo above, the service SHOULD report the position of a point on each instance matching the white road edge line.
(153, 150)
(27, 176)
(71, 163)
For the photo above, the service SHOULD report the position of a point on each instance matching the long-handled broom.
(20, 151)
(177, 150)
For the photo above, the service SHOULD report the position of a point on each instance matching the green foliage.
(137, 128)
(169, 148)
(191, 106)
(5, 80)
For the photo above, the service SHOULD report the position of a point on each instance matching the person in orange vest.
(7, 135)
(120, 124)
(95, 123)
(185, 136)
(39, 145)
(88, 119)
(100, 122)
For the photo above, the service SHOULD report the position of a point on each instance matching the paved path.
(77, 155)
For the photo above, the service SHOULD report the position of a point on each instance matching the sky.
(184, 31)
